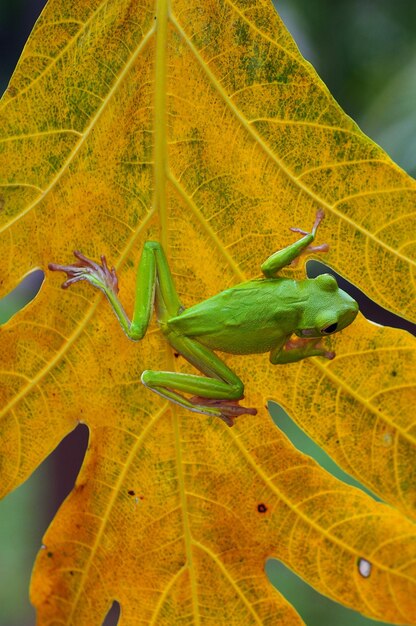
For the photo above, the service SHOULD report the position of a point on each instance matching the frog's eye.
(327, 282)
(329, 329)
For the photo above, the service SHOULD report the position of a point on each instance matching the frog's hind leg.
(217, 393)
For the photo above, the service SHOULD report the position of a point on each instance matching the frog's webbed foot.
(100, 276)
(229, 409)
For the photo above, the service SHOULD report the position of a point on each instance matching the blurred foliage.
(22, 524)
(392, 119)
(365, 51)
(355, 45)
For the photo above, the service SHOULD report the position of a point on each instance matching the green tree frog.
(279, 315)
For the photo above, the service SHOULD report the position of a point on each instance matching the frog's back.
(250, 318)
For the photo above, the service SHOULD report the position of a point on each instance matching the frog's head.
(328, 309)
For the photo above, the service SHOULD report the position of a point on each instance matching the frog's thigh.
(219, 381)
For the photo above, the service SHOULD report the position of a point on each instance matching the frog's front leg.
(297, 349)
(288, 255)
(216, 394)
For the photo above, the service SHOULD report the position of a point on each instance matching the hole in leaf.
(364, 567)
(61, 469)
(24, 293)
(368, 308)
(65, 463)
(305, 444)
(113, 615)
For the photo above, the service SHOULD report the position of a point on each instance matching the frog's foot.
(318, 219)
(229, 409)
(100, 276)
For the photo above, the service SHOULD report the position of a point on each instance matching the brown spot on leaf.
(262, 508)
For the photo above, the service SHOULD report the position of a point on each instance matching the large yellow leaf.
(200, 125)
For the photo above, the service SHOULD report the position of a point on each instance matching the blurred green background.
(365, 51)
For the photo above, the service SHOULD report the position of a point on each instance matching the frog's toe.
(99, 275)
(323, 247)
(318, 219)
